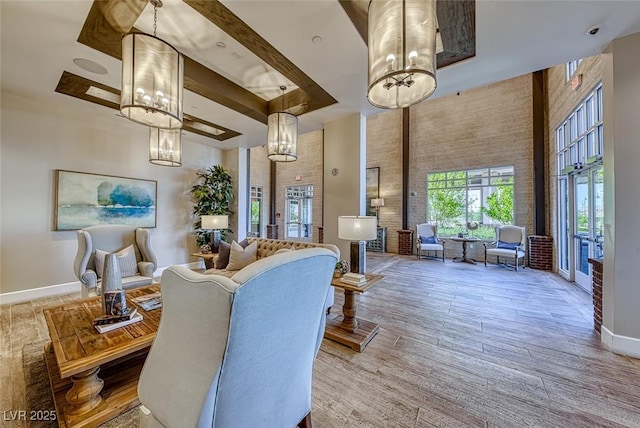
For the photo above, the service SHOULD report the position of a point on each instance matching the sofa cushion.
(508, 245)
(126, 260)
(241, 257)
(224, 251)
(285, 250)
(428, 239)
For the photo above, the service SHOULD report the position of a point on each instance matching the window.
(456, 198)
(571, 68)
(579, 138)
(256, 210)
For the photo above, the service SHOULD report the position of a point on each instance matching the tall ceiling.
(326, 79)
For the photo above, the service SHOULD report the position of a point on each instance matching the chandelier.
(402, 52)
(282, 135)
(165, 146)
(152, 79)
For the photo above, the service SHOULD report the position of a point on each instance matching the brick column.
(272, 231)
(541, 252)
(596, 280)
(405, 242)
(320, 235)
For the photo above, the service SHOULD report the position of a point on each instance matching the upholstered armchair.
(509, 244)
(224, 356)
(94, 241)
(427, 240)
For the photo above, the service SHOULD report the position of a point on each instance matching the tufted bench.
(268, 247)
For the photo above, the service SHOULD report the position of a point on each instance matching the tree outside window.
(484, 196)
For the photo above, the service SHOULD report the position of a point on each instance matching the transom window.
(484, 196)
(579, 139)
(572, 67)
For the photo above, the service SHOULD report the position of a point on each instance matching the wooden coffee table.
(350, 330)
(77, 354)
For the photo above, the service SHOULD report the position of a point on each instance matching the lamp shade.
(282, 137)
(152, 81)
(402, 52)
(165, 147)
(210, 222)
(377, 202)
(356, 228)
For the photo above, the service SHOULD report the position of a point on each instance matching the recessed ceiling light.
(316, 39)
(90, 66)
(221, 45)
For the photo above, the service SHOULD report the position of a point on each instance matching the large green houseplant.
(212, 194)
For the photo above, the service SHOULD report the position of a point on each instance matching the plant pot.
(336, 274)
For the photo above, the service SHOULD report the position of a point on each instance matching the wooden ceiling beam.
(77, 86)
(456, 21)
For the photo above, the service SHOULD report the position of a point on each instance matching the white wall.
(621, 293)
(36, 139)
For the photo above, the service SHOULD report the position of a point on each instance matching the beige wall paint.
(621, 294)
(38, 139)
(344, 192)
(235, 162)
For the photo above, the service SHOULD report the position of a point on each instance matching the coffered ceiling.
(239, 52)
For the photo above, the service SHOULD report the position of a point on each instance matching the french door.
(588, 223)
(299, 213)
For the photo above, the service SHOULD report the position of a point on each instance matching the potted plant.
(342, 267)
(212, 195)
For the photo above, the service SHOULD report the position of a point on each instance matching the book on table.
(112, 319)
(355, 279)
(109, 327)
(149, 302)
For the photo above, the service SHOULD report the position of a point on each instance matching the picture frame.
(372, 188)
(85, 199)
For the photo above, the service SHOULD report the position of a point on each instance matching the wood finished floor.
(459, 345)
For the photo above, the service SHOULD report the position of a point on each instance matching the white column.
(621, 102)
(235, 162)
(345, 163)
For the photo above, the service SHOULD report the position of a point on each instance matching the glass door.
(299, 213)
(588, 222)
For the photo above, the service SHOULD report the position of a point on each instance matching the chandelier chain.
(155, 19)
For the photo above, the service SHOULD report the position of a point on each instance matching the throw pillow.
(428, 240)
(126, 260)
(283, 250)
(241, 257)
(224, 251)
(507, 245)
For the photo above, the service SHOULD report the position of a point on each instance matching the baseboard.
(68, 288)
(39, 293)
(623, 345)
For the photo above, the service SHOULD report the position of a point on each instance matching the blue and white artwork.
(84, 199)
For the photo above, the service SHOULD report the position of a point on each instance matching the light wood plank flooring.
(459, 345)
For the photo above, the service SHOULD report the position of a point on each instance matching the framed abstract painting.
(84, 199)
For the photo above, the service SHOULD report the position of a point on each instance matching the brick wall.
(384, 150)
(479, 128)
(309, 167)
(405, 242)
(596, 280)
(540, 252)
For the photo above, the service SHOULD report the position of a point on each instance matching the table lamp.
(357, 229)
(377, 203)
(215, 223)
